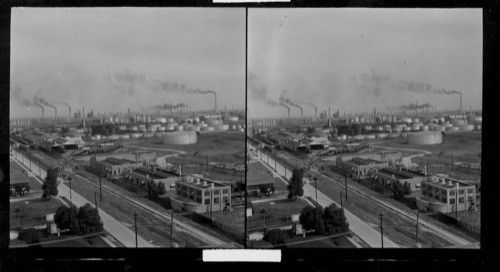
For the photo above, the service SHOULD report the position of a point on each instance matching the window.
(225, 191)
(207, 201)
(184, 194)
(443, 199)
(216, 192)
(207, 193)
(443, 192)
(178, 192)
(469, 191)
(198, 200)
(225, 199)
(191, 197)
(452, 201)
(460, 200)
(198, 192)
(216, 200)
(461, 192)
(430, 194)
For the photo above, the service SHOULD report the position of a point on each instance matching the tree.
(21, 189)
(312, 219)
(67, 218)
(49, 186)
(335, 220)
(295, 187)
(154, 190)
(89, 220)
(275, 236)
(29, 235)
(266, 188)
(407, 188)
(399, 190)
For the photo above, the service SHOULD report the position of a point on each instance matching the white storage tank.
(180, 138)
(478, 127)
(170, 127)
(212, 122)
(232, 118)
(97, 136)
(370, 136)
(124, 136)
(457, 122)
(122, 127)
(179, 128)
(452, 128)
(343, 137)
(359, 137)
(466, 127)
(162, 120)
(425, 128)
(381, 135)
(406, 120)
(113, 137)
(425, 138)
(476, 120)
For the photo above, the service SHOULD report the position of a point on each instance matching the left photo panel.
(127, 127)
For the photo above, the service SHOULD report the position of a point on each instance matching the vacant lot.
(16, 174)
(32, 211)
(466, 148)
(222, 147)
(234, 219)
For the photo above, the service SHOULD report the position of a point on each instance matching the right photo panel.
(364, 128)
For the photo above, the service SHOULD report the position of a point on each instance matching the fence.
(233, 233)
(444, 165)
(192, 166)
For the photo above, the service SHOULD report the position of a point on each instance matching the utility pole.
(456, 204)
(382, 229)
(275, 163)
(345, 181)
(135, 220)
(70, 189)
(100, 186)
(341, 204)
(416, 231)
(95, 199)
(171, 227)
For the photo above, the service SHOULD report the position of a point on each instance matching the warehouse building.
(200, 195)
(358, 166)
(140, 176)
(258, 178)
(389, 175)
(444, 194)
(111, 166)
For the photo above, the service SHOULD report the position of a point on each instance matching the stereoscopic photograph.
(127, 127)
(364, 128)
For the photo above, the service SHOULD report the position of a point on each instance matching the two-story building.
(389, 175)
(200, 195)
(357, 166)
(140, 176)
(444, 194)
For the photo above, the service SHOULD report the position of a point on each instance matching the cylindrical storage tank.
(97, 136)
(415, 127)
(343, 137)
(381, 135)
(406, 120)
(113, 137)
(367, 127)
(425, 138)
(212, 122)
(457, 122)
(441, 119)
(476, 120)
(124, 136)
(136, 135)
(415, 120)
(424, 128)
(452, 129)
(161, 128)
(370, 136)
(148, 135)
(232, 127)
(141, 126)
(134, 128)
(466, 127)
(407, 128)
(179, 128)
(170, 127)
(92, 138)
(162, 120)
(232, 118)
(122, 127)
(180, 138)
(359, 137)
(478, 127)
(196, 119)
(207, 129)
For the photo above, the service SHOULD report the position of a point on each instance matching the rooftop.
(362, 161)
(401, 173)
(447, 183)
(152, 173)
(116, 161)
(204, 183)
(257, 174)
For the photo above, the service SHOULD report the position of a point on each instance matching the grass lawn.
(34, 212)
(235, 219)
(73, 241)
(278, 213)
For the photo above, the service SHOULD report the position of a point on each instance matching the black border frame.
(127, 259)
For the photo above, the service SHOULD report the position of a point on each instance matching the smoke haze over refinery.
(111, 59)
(354, 60)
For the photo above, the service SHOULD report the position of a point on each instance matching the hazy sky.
(114, 58)
(359, 59)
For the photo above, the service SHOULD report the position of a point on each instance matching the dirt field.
(32, 213)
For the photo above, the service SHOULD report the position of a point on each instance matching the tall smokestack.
(55, 110)
(315, 112)
(288, 112)
(460, 101)
(69, 112)
(328, 112)
(301, 112)
(215, 96)
(43, 111)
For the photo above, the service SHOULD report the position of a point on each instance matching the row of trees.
(328, 221)
(81, 221)
(154, 190)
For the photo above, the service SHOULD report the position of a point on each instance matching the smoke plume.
(43, 102)
(375, 84)
(286, 100)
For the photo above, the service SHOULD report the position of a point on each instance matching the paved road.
(364, 231)
(111, 225)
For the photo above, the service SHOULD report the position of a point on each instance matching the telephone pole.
(345, 181)
(382, 229)
(416, 231)
(135, 223)
(100, 186)
(95, 199)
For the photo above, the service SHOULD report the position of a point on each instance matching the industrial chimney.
(288, 112)
(315, 112)
(69, 112)
(301, 112)
(328, 112)
(215, 95)
(460, 101)
(43, 111)
(55, 110)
